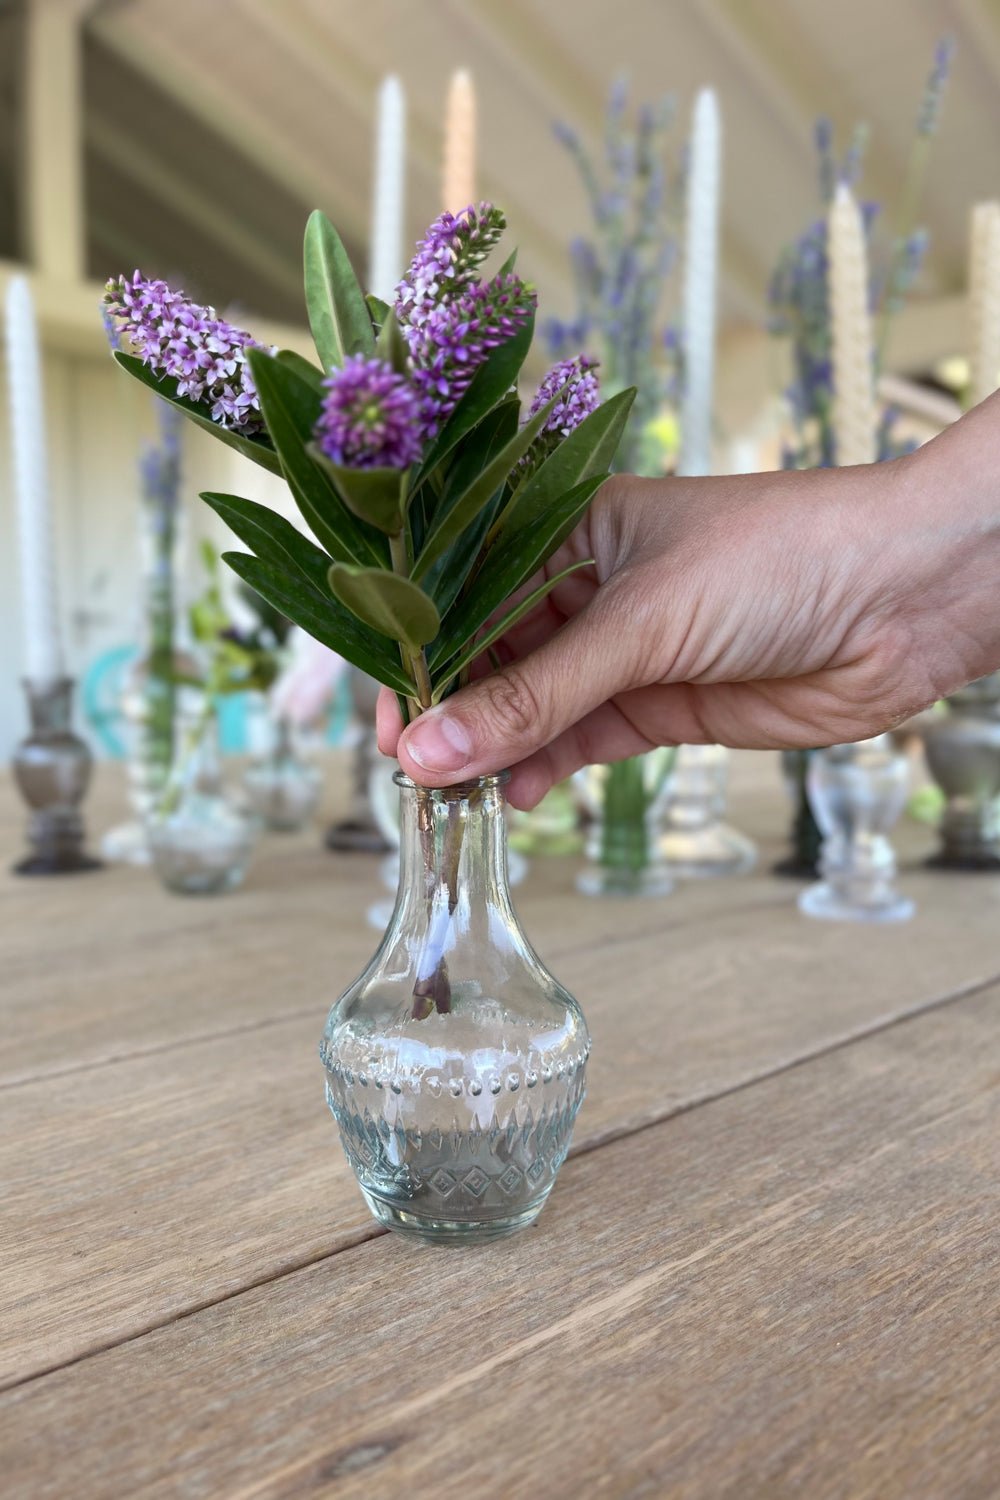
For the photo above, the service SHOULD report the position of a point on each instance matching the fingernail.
(438, 742)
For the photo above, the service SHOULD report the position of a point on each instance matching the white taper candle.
(386, 264)
(43, 661)
(855, 416)
(984, 302)
(701, 255)
(458, 185)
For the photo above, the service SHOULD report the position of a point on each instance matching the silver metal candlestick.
(52, 768)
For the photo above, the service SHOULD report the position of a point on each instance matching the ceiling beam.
(175, 191)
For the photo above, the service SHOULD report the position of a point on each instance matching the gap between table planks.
(789, 1290)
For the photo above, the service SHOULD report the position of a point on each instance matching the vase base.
(823, 901)
(62, 864)
(707, 852)
(601, 880)
(985, 861)
(441, 1231)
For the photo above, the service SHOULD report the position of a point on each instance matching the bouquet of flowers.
(430, 499)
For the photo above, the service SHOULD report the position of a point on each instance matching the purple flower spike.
(446, 260)
(201, 351)
(371, 418)
(457, 336)
(581, 394)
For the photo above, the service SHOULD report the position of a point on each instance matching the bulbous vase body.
(455, 1064)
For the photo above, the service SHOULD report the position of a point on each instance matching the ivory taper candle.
(458, 186)
(386, 265)
(854, 411)
(701, 254)
(43, 660)
(984, 302)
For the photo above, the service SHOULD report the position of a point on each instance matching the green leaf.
(391, 346)
(508, 565)
(453, 517)
(587, 451)
(321, 617)
(509, 264)
(375, 495)
(304, 368)
(271, 537)
(259, 448)
(482, 643)
(335, 302)
(490, 384)
(445, 579)
(388, 603)
(291, 408)
(377, 309)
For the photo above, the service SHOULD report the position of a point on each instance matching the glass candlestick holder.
(857, 793)
(282, 788)
(52, 769)
(696, 841)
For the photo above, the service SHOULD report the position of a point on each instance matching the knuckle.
(511, 700)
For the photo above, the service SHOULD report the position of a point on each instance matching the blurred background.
(192, 138)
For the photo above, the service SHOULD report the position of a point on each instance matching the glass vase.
(282, 788)
(200, 839)
(697, 842)
(455, 1064)
(625, 802)
(963, 754)
(857, 792)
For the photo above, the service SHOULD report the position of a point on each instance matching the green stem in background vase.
(159, 689)
(627, 797)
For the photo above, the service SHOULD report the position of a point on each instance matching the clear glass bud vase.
(455, 1064)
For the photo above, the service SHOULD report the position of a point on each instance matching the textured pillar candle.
(458, 187)
(701, 253)
(43, 662)
(984, 302)
(854, 411)
(386, 265)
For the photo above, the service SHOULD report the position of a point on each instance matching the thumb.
(500, 719)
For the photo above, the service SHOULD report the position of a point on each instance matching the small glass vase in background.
(962, 748)
(282, 787)
(857, 792)
(157, 708)
(200, 839)
(697, 842)
(626, 802)
(455, 1064)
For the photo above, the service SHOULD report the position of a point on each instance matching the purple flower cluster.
(201, 351)
(371, 417)
(456, 337)
(446, 260)
(581, 394)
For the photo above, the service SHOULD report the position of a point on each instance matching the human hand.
(770, 610)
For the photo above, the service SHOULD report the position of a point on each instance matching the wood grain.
(175, 1147)
(792, 1290)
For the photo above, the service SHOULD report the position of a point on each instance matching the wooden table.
(771, 1266)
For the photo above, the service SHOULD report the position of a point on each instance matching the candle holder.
(52, 769)
(857, 793)
(696, 841)
(963, 754)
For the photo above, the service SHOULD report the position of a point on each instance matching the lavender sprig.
(201, 351)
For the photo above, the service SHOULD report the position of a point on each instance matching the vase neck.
(455, 838)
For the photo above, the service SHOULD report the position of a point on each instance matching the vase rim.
(459, 789)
